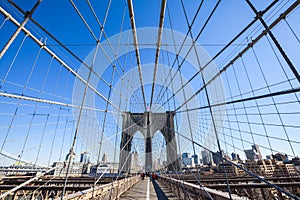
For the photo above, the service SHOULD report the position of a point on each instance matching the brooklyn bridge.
(129, 99)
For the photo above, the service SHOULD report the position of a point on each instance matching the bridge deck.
(148, 190)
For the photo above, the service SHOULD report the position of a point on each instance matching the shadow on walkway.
(160, 194)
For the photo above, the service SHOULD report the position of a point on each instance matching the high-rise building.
(206, 157)
(84, 157)
(233, 156)
(185, 155)
(217, 157)
(72, 155)
(135, 167)
(257, 150)
(254, 153)
(186, 160)
(280, 157)
(104, 158)
(195, 159)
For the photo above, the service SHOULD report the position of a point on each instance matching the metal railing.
(185, 190)
(108, 191)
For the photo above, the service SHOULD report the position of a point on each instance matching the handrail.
(113, 189)
(193, 189)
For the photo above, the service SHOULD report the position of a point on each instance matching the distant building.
(233, 156)
(206, 157)
(254, 153)
(217, 157)
(286, 170)
(281, 157)
(135, 167)
(159, 161)
(271, 168)
(185, 155)
(296, 162)
(86, 169)
(187, 161)
(76, 168)
(230, 169)
(98, 170)
(261, 167)
(158, 165)
(104, 158)
(195, 159)
(84, 158)
(21, 170)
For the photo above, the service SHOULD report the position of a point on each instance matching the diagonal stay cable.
(57, 58)
(28, 98)
(110, 45)
(180, 47)
(198, 180)
(245, 170)
(94, 37)
(259, 15)
(84, 21)
(51, 36)
(210, 109)
(101, 27)
(194, 42)
(227, 45)
(71, 152)
(289, 91)
(231, 42)
(254, 41)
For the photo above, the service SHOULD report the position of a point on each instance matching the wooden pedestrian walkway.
(148, 190)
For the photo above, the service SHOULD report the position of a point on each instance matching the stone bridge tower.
(148, 124)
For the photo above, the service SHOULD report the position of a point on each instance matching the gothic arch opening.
(153, 122)
(159, 155)
(137, 155)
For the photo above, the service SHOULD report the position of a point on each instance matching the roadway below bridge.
(148, 190)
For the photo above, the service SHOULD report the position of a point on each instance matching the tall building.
(185, 155)
(187, 161)
(195, 159)
(206, 157)
(104, 158)
(256, 148)
(135, 167)
(72, 155)
(254, 153)
(281, 157)
(84, 157)
(75, 168)
(235, 156)
(217, 157)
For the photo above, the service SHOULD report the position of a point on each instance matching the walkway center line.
(147, 194)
